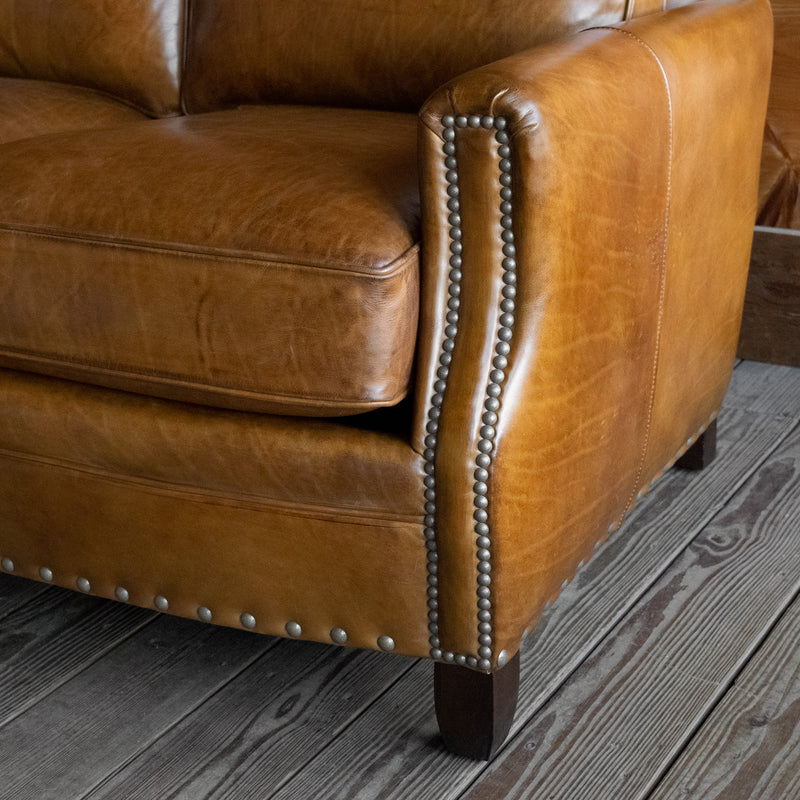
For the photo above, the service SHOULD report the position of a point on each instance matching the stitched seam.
(663, 271)
(391, 269)
(175, 380)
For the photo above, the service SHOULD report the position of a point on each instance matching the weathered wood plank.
(15, 592)
(618, 723)
(392, 751)
(261, 727)
(766, 389)
(750, 746)
(771, 320)
(53, 637)
(94, 723)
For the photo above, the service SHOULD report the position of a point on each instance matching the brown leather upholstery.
(34, 108)
(129, 48)
(360, 52)
(235, 283)
(617, 139)
(779, 191)
(561, 348)
(287, 520)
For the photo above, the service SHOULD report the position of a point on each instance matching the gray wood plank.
(15, 592)
(393, 752)
(765, 388)
(615, 727)
(53, 637)
(94, 723)
(266, 724)
(750, 745)
(771, 319)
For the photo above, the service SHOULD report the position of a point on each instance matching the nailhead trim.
(203, 613)
(482, 660)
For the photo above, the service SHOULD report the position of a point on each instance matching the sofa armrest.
(587, 217)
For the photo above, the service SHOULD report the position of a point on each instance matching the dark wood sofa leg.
(702, 452)
(475, 710)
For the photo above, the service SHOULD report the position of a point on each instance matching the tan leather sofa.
(286, 346)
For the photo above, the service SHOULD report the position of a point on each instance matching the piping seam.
(662, 277)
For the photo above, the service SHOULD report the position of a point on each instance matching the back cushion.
(128, 48)
(367, 53)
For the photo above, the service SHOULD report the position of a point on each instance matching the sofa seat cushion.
(264, 258)
(32, 108)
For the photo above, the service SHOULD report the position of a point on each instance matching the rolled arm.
(586, 245)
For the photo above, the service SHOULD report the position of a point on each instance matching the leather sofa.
(364, 323)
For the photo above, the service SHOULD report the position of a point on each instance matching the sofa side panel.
(717, 122)
(131, 49)
(594, 400)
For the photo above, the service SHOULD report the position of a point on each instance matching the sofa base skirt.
(350, 576)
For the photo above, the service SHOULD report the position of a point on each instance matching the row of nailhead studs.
(494, 391)
(204, 614)
(492, 403)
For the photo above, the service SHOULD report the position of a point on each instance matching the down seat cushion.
(264, 258)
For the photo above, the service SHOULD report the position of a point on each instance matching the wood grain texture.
(771, 320)
(106, 714)
(765, 389)
(61, 633)
(750, 746)
(626, 713)
(15, 592)
(393, 754)
(259, 729)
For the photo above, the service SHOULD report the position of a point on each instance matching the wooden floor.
(669, 669)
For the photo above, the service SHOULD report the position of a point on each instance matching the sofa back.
(366, 53)
(131, 49)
